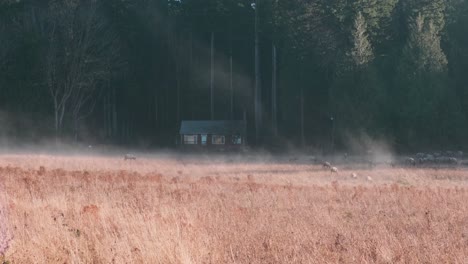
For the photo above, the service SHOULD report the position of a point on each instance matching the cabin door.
(204, 140)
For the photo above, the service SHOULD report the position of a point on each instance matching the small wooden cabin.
(213, 134)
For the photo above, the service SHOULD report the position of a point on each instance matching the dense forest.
(312, 73)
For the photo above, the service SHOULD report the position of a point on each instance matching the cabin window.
(190, 139)
(204, 139)
(236, 140)
(217, 140)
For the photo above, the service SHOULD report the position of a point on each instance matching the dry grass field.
(164, 209)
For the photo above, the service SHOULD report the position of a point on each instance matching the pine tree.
(362, 52)
(423, 46)
(423, 84)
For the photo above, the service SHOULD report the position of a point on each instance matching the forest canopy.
(315, 73)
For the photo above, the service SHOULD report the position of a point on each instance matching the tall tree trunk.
(127, 129)
(109, 114)
(178, 91)
(190, 69)
(302, 117)
(231, 87)
(258, 88)
(333, 136)
(76, 127)
(156, 109)
(274, 93)
(61, 116)
(56, 124)
(178, 71)
(166, 106)
(114, 113)
(130, 130)
(105, 106)
(212, 77)
(124, 129)
(104, 116)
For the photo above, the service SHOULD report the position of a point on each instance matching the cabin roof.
(216, 127)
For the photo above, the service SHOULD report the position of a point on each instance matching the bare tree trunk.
(274, 93)
(81, 60)
(59, 113)
(212, 76)
(76, 127)
(258, 89)
(62, 115)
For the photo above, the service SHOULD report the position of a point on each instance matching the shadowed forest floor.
(163, 209)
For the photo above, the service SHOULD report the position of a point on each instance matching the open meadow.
(222, 209)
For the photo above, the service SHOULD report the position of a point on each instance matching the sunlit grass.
(166, 210)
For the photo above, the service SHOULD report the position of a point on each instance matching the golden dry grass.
(80, 209)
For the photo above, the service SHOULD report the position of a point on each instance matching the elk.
(326, 165)
(129, 157)
(410, 161)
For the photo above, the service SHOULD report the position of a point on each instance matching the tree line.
(319, 73)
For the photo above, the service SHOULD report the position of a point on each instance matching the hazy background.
(126, 72)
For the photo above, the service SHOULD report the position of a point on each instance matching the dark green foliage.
(394, 69)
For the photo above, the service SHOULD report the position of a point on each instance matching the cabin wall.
(227, 141)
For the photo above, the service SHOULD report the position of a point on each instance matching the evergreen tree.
(362, 51)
